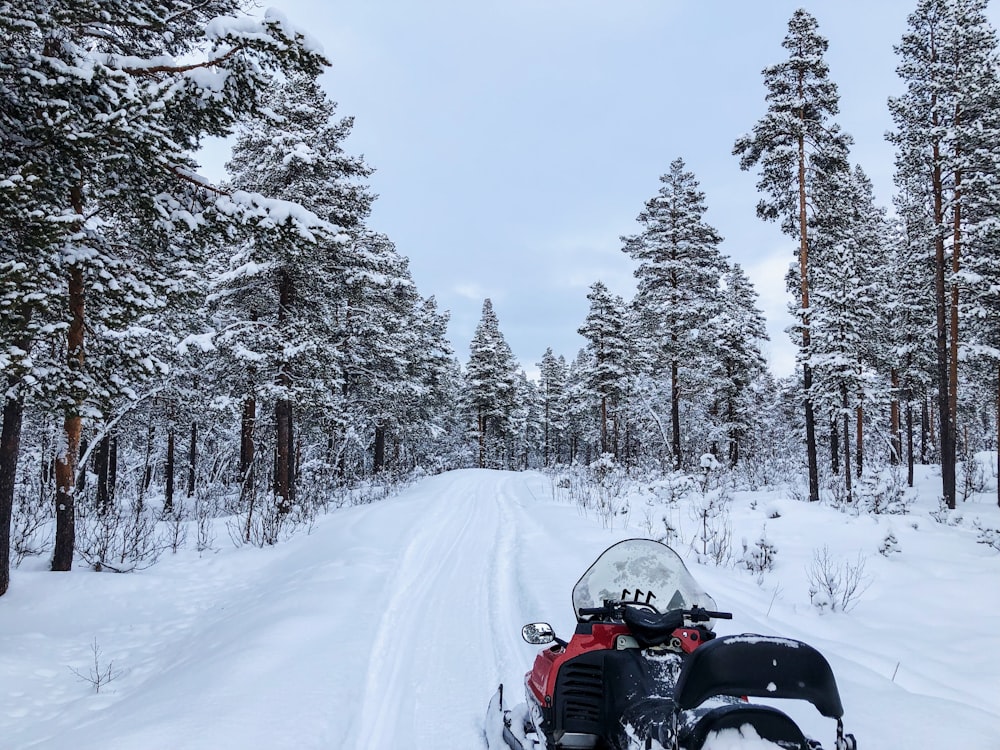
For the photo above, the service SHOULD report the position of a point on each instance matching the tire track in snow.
(429, 650)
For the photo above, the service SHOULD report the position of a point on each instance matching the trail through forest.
(391, 625)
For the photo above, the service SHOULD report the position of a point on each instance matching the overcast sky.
(515, 142)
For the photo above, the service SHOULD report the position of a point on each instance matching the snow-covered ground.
(391, 625)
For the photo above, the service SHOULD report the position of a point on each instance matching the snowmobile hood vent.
(761, 667)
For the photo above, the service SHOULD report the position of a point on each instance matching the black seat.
(769, 723)
(652, 628)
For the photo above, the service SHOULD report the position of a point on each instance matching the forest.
(175, 351)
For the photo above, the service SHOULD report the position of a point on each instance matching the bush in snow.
(890, 546)
(759, 557)
(945, 515)
(835, 585)
(674, 487)
(31, 527)
(973, 473)
(713, 541)
(609, 480)
(175, 521)
(884, 492)
(709, 464)
(117, 538)
(98, 675)
(989, 537)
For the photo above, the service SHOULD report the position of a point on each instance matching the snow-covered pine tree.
(679, 274)
(794, 145)
(381, 345)
(849, 238)
(607, 348)
(552, 373)
(491, 391)
(432, 433)
(526, 423)
(910, 296)
(947, 143)
(104, 105)
(290, 290)
(740, 328)
(581, 407)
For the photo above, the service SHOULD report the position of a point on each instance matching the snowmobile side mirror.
(538, 633)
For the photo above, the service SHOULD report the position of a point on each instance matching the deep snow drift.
(391, 625)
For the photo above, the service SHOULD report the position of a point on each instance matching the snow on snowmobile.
(644, 669)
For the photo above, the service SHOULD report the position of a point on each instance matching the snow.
(744, 738)
(391, 625)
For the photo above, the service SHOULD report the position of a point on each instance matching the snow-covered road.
(391, 625)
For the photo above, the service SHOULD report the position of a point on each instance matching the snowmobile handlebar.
(613, 610)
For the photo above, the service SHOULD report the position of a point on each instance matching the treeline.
(898, 315)
(234, 348)
(174, 350)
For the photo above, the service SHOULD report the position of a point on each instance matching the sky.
(515, 142)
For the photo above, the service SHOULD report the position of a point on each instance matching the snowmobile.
(645, 669)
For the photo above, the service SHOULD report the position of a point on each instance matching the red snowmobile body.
(632, 677)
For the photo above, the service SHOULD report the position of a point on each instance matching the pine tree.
(581, 405)
(679, 274)
(948, 147)
(491, 390)
(431, 426)
(740, 328)
(551, 386)
(297, 153)
(607, 348)
(850, 236)
(796, 147)
(106, 107)
(382, 344)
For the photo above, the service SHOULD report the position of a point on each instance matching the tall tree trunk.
(946, 427)
(147, 467)
(247, 425)
(604, 424)
(859, 444)
(895, 441)
(735, 433)
(66, 462)
(675, 414)
(545, 442)
(998, 434)
(378, 460)
(956, 266)
(81, 474)
(616, 429)
(834, 446)
(811, 457)
(113, 466)
(847, 443)
(10, 447)
(168, 492)
(103, 461)
(283, 406)
(926, 428)
(482, 439)
(283, 455)
(192, 457)
(909, 443)
(10, 450)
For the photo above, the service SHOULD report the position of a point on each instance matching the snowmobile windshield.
(641, 571)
